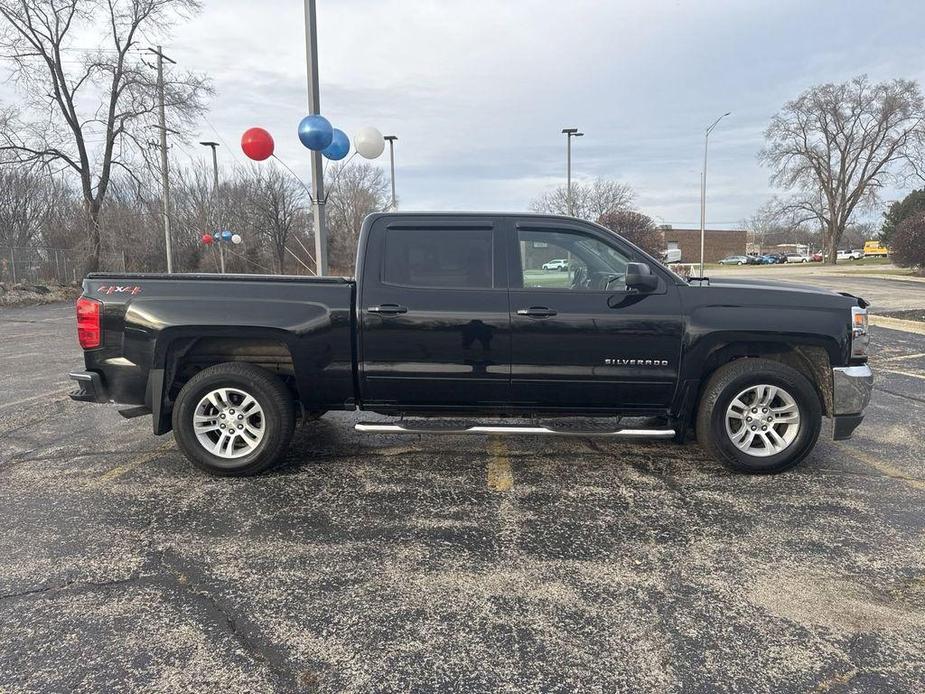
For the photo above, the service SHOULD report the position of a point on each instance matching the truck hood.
(784, 288)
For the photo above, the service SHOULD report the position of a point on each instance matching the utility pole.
(214, 147)
(703, 189)
(391, 139)
(165, 178)
(569, 134)
(314, 108)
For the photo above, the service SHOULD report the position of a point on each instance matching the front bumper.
(851, 388)
(90, 387)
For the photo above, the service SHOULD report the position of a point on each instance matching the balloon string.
(296, 176)
(337, 175)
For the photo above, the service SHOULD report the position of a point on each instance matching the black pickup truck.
(452, 317)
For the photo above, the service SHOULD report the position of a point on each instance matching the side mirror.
(639, 276)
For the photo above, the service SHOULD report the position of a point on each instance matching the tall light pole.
(703, 188)
(165, 175)
(569, 134)
(391, 140)
(314, 108)
(214, 147)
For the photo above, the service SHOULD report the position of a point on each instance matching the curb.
(909, 326)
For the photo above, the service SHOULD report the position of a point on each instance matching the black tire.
(273, 398)
(730, 380)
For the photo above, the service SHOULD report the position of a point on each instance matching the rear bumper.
(90, 387)
(851, 389)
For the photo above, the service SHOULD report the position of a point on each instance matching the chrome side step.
(377, 428)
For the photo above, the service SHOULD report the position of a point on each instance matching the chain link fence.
(43, 265)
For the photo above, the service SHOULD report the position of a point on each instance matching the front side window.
(438, 258)
(569, 260)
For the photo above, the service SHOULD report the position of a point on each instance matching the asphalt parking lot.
(370, 563)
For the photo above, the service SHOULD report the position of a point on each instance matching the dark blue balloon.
(316, 132)
(226, 236)
(339, 147)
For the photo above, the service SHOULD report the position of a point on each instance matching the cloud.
(478, 91)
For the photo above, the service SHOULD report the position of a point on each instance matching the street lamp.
(391, 140)
(703, 188)
(569, 134)
(214, 147)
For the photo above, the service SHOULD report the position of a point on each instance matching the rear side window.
(438, 258)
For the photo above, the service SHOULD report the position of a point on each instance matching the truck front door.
(582, 342)
(434, 315)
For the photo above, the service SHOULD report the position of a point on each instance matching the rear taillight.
(88, 322)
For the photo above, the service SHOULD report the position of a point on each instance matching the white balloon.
(369, 143)
(236, 239)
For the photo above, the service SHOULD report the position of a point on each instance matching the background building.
(718, 243)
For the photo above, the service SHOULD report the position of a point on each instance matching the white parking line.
(904, 356)
(903, 373)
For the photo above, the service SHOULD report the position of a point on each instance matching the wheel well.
(810, 360)
(188, 357)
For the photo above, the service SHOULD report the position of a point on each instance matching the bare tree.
(279, 203)
(636, 228)
(89, 111)
(589, 200)
(836, 145)
(356, 190)
(27, 203)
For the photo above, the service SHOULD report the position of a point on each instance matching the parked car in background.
(797, 258)
(734, 260)
(557, 264)
(875, 249)
(849, 255)
(752, 259)
(767, 259)
(817, 257)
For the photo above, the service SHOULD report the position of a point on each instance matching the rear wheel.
(233, 419)
(759, 416)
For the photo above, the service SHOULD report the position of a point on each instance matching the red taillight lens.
(88, 322)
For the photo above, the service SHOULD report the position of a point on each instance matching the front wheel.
(233, 419)
(759, 416)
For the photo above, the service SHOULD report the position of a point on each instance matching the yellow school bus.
(875, 248)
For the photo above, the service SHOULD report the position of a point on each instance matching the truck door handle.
(537, 312)
(389, 309)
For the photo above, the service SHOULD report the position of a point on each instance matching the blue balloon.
(339, 147)
(226, 236)
(316, 132)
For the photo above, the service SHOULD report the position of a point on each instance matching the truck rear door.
(433, 314)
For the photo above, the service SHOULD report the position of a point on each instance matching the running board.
(376, 428)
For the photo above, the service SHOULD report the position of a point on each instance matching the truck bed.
(155, 325)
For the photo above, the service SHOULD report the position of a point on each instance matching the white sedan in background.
(557, 264)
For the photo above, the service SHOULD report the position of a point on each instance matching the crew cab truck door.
(434, 316)
(581, 341)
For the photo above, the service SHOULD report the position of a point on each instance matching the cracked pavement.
(385, 563)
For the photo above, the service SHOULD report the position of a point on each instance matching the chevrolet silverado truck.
(452, 325)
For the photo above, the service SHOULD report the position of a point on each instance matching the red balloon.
(207, 239)
(257, 144)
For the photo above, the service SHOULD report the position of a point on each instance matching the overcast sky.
(478, 92)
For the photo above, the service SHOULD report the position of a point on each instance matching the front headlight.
(860, 335)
